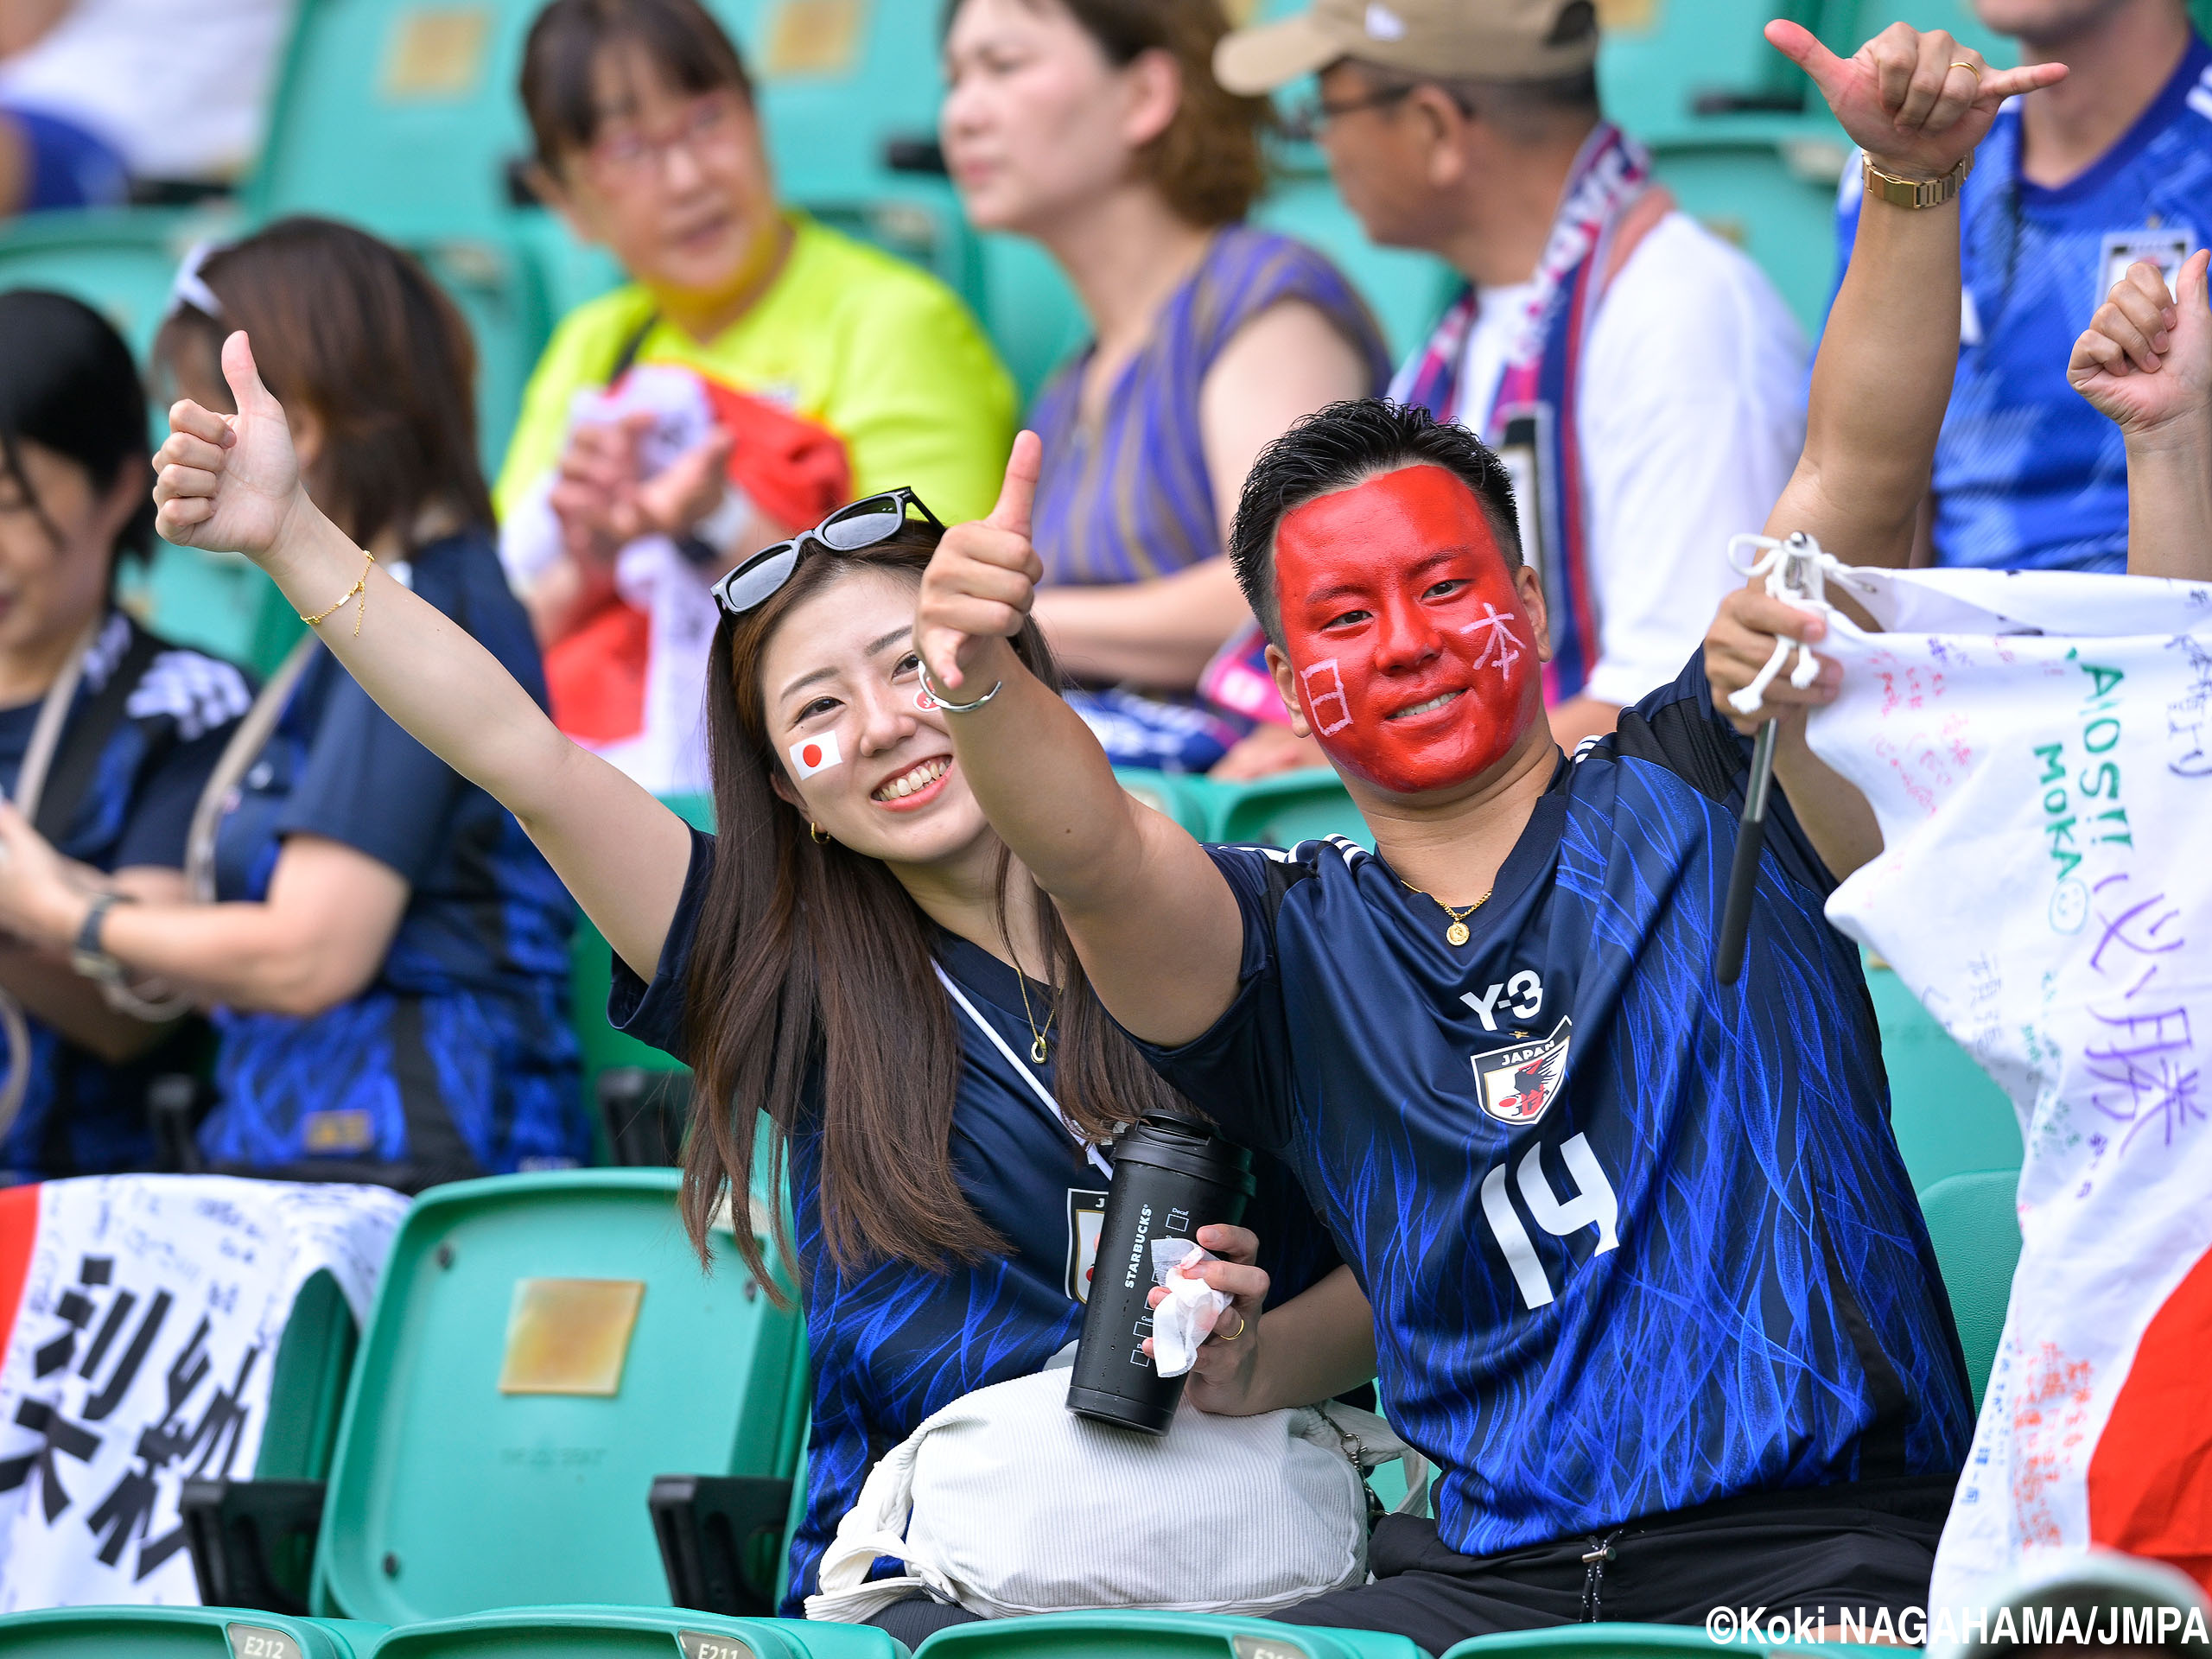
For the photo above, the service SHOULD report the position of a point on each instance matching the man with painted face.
(1647, 1278)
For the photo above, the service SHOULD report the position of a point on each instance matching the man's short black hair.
(1338, 445)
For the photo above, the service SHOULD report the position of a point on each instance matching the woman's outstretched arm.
(232, 484)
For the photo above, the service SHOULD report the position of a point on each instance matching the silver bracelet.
(938, 697)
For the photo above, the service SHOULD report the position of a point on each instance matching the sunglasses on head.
(866, 523)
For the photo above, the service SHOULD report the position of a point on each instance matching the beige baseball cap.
(1450, 40)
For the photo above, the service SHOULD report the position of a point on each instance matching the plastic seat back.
(180, 1633)
(1950, 1117)
(543, 1346)
(1288, 808)
(616, 1632)
(591, 974)
(1111, 1634)
(1619, 1640)
(1973, 1222)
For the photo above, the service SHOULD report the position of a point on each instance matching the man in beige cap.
(1640, 378)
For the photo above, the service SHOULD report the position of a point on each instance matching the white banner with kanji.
(2038, 750)
(140, 1317)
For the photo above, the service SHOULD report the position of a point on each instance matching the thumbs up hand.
(982, 578)
(1917, 104)
(229, 483)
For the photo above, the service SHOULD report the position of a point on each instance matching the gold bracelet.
(1916, 193)
(360, 587)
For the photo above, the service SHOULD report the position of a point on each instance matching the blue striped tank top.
(1132, 499)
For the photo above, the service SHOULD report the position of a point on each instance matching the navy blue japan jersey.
(459, 1058)
(82, 1115)
(1635, 1240)
(892, 1343)
(2027, 475)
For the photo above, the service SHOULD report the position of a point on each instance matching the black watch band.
(86, 956)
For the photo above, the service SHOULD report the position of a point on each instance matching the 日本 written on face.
(1416, 660)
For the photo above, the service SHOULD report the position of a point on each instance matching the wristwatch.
(86, 956)
(1916, 193)
(713, 536)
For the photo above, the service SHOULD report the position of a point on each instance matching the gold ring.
(1232, 1335)
(1969, 68)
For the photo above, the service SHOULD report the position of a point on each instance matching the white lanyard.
(1028, 1076)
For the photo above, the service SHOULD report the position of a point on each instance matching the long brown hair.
(811, 956)
(355, 330)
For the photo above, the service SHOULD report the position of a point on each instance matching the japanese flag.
(815, 754)
(2037, 748)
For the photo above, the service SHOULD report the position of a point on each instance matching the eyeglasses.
(867, 523)
(1309, 119)
(631, 157)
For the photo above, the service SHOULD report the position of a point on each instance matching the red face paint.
(1395, 593)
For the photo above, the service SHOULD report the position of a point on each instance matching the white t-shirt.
(178, 87)
(1691, 416)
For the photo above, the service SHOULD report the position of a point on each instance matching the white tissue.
(1185, 1319)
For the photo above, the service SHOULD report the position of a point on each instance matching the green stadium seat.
(180, 1633)
(543, 1348)
(120, 261)
(1611, 1639)
(602, 1632)
(1113, 1634)
(1177, 795)
(1949, 1118)
(1286, 808)
(1974, 1223)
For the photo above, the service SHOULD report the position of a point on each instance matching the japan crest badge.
(1519, 1083)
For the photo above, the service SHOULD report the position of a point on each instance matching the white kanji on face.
(1500, 649)
(1335, 694)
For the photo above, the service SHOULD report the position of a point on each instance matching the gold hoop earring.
(814, 829)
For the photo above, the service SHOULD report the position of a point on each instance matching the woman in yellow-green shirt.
(762, 368)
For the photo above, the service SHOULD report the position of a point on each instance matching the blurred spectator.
(791, 368)
(107, 734)
(2111, 165)
(97, 93)
(389, 959)
(1640, 378)
(1097, 128)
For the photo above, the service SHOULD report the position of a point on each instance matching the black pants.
(1869, 1545)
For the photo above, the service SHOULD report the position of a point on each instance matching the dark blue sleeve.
(370, 786)
(161, 811)
(1678, 727)
(1238, 1073)
(654, 1013)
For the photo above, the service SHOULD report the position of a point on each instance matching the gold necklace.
(1037, 1050)
(1456, 933)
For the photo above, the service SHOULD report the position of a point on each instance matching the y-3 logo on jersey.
(1593, 1205)
(1523, 995)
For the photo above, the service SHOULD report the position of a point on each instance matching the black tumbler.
(1172, 1176)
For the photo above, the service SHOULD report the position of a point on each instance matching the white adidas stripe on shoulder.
(198, 691)
(106, 652)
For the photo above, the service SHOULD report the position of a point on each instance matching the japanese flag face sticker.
(813, 755)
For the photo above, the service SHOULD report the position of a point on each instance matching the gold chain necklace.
(1037, 1050)
(1456, 933)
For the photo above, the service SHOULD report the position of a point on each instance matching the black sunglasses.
(869, 522)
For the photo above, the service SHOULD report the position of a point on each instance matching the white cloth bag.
(1008, 1503)
(2038, 750)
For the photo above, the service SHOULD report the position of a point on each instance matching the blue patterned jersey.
(1635, 1240)
(2028, 476)
(82, 1115)
(459, 1058)
(892, 1343)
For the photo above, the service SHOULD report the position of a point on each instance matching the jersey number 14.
(1593, 1205)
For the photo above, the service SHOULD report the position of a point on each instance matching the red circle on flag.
(810, 755)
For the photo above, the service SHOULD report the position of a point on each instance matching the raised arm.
(232, 484)
(1917, 104)
(1152, 919)
(2146, 362)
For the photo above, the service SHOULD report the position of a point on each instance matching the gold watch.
(1916, 193)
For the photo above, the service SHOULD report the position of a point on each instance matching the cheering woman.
(855, 954)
